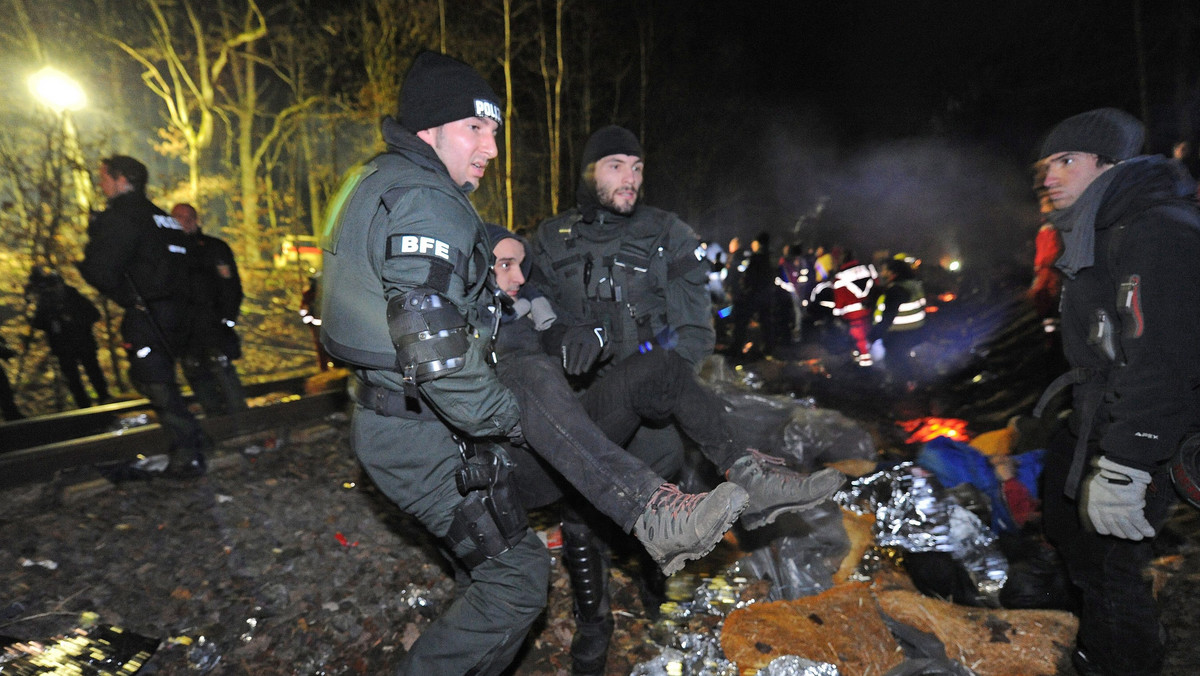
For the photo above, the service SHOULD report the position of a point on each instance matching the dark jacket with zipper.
(1132, 319)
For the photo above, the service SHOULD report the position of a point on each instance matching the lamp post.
(60, 93)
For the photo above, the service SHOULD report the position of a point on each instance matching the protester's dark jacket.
(1146, 280)
(659, 297)
(408, 192)
(759, 276)
(66, 317)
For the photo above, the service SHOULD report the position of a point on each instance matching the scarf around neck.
(1077, 223)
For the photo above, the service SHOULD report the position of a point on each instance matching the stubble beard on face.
(608, 201)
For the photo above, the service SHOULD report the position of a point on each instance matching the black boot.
(587, 565)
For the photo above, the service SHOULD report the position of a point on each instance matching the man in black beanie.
(404, 302)
(631, 279)
(1130, 317)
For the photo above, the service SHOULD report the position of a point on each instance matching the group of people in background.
(181, 295)
(491, 375)
(872, 310)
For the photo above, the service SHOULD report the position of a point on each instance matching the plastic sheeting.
(799, 554)
(795, 429)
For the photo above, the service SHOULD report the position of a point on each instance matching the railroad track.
(37, 449)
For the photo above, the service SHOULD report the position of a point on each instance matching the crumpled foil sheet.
(791, 665)
(98, 651)
(912, 513)
(704, 658)
(686, 652)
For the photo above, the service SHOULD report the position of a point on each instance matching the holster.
(491, 515)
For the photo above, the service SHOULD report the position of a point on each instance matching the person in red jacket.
(852, 287)
(1047, 279)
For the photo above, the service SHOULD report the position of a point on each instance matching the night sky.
(913, 122)
(877, 124)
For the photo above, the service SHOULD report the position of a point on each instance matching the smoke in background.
(928, 197)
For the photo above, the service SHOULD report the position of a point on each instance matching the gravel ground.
(284, 560)
(280, 561)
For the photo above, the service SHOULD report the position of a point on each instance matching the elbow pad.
(429, 334)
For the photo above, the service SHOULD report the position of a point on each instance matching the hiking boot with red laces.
(678, 527)
(775, 489)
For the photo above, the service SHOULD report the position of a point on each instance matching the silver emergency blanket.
(686, 651)
(703, 659)
(790, 665)
(913, 513)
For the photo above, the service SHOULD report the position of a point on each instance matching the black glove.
(582, 346)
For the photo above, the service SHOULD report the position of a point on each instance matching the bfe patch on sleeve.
(417, 245)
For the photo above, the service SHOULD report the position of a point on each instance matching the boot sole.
(676, 563)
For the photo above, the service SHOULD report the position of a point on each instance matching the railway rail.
(40, 448)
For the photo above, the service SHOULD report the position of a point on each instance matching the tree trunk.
(247, 162)
(508, 118)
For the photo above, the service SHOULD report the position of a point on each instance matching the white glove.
(1115, 499)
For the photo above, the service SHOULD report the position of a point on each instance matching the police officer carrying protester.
(1131, 239)
(137, 255)
(213, 345)
(630, 279)
(405, 297)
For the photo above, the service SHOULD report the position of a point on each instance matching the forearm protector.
(429, 334)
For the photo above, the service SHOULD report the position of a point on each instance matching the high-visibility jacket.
(910, 313)
(852, 287)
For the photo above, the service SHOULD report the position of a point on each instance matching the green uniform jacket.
(399, 223)
(641, 276)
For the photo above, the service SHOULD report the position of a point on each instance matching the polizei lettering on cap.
(420, 245)
(485, 108)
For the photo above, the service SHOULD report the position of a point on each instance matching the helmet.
(1185, 473)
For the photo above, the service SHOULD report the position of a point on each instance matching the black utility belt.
(384, 401)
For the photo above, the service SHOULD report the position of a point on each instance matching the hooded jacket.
(1132, 319)
(519, 333)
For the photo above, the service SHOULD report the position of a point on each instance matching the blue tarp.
(955, 462)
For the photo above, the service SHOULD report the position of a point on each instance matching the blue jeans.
(1119, 626)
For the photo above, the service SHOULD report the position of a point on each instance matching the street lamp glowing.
(56, 90)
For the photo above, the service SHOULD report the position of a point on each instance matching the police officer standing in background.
(404, 300)
(138, 255)
(66, 317)
(216, 303)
